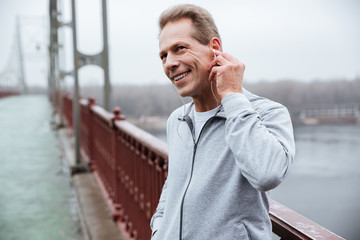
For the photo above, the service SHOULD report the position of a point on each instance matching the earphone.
(211, 85)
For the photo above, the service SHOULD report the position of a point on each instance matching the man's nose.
(171, 62)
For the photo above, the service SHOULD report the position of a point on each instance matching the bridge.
(12, 78)
(331, 114)
(128, 163)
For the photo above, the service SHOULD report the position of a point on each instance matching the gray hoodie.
(217, 186)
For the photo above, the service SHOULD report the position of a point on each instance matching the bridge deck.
(36, 200)
(35, 197)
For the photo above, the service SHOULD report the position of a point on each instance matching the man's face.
(185, 60)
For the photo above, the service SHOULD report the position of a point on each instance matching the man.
(227, 147)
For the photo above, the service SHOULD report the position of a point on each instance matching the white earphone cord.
(211, 85)
(212, 91)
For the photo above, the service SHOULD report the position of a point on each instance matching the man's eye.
(162, 57)
(180, 48)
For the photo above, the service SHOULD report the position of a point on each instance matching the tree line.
(160, 100)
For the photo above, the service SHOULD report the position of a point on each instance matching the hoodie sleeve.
(261, 140)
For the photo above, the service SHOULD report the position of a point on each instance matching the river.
(324, 181)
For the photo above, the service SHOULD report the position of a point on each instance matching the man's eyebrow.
(180, 43)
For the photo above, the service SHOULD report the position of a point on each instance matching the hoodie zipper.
(191, 172)
(183, 198)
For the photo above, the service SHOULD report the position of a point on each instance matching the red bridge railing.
(131, 166)
(4, 94)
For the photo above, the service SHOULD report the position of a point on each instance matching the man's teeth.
(178, 77)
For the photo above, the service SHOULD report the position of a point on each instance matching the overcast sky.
(300, 39)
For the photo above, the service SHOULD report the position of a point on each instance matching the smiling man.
(227, 148)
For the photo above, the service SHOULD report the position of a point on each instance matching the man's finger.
(212, 75)
(218, 61)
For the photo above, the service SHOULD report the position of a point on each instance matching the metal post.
(76, 106)
(52, 50)
(107, 87)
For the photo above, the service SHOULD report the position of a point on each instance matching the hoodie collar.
(190, 108)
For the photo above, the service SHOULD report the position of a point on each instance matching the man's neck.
(205, 104)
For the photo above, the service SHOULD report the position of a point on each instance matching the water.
(324, 182)
(36, 200)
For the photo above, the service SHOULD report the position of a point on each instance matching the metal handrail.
(289, 224)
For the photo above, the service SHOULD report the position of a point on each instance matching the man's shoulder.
(260, 102)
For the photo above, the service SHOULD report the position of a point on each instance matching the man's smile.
(180, 76)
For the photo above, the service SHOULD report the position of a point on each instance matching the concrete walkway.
(94, 211)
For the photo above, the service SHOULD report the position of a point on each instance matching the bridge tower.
(12, 78)
(56, 74)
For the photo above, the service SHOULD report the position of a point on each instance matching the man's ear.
(215, 44)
